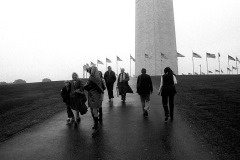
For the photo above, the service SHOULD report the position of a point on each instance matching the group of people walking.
(74, 97)
(73, 93)
(166, 89)
(122, 83)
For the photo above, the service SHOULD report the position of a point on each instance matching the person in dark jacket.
(77, 97)
(65, 93)
(167, 90)
(122, 84)
(110, 79)
(144, 89)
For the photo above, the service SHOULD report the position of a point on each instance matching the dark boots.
(96, 128)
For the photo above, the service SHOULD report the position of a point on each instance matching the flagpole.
(130, 65)
(106, 64)
(193, 62)
(83, 72)
(228, 65)
(117, 66)
(145, 61)
(236, 66)
(207, 63)
(219, 62)
(200, 69)
(161, 63)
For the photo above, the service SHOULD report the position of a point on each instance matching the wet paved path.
(124, 134)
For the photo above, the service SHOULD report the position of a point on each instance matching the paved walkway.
(124, 134)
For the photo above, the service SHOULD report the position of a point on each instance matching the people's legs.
(142, 102)
(77, 116)
(69, 111)
(95, 118)
(123, 96)
(171, 106)
(77, 119)
(165, 106)
(111, 90)
(94, 112)
(122, 92)
(147, 101)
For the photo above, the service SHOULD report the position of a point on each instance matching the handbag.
(83, 109)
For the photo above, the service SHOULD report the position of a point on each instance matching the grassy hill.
(23, 105)
(209, 104)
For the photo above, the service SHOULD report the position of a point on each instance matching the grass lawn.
(23, 105)
(211, 105)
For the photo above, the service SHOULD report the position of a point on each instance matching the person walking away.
(144, 89)
(65, 94)
(167, 90)
(122, 84)
(77, 97)
(102, 96)
(95, 91)
(110, 79)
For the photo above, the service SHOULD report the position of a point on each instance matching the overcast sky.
(53, 38)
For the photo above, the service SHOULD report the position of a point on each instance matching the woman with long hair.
(167, 90)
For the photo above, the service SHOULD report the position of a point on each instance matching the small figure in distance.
(167, 90)
(122, 84)
(110, 79)
(144, 89)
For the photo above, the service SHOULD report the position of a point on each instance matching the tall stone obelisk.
(155, 39)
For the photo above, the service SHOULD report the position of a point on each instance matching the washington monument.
(155, 40)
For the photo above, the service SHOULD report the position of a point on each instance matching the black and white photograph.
(119, 80)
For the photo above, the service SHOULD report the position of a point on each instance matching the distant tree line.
(21, 81)
(17, 81)
(46, 80)
(3, 83)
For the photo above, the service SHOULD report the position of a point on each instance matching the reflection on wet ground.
(124, 134)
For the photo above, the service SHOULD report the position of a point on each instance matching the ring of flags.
(163, 56)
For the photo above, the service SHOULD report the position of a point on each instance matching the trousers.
(69, 111)
(145, 101)
(168, 100)
(110, 90)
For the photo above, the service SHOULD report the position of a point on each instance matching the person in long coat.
(110, 79)
(122, 84)
(77, 97)
(167, 90)
(144, 89)
(95, 91)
